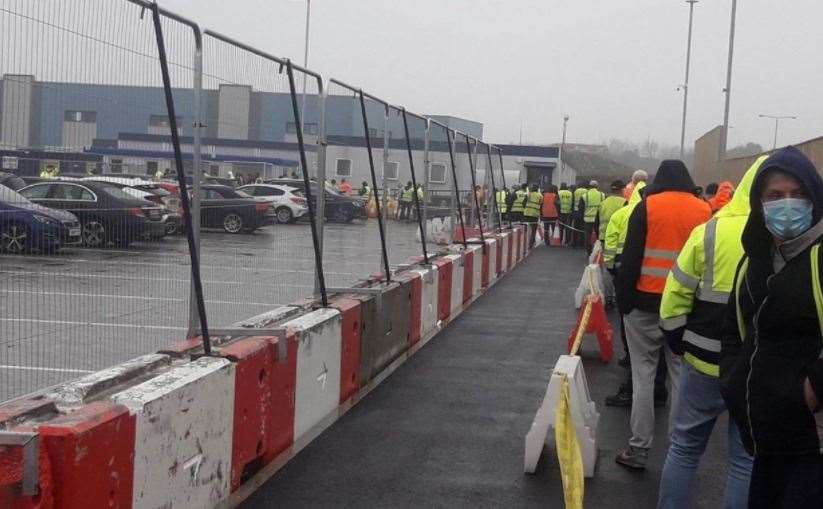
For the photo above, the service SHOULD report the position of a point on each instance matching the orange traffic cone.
(555, 240)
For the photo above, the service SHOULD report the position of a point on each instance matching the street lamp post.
(562, 147)
(777, 119)
(724, 135)
(686, 80)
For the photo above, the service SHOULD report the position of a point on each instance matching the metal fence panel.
(94, 272)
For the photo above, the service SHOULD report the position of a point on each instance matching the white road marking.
(135, 297)
(93, 324)
(52, 370)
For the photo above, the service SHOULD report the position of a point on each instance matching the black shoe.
(625, 362)
(633, 458)
(623, 399)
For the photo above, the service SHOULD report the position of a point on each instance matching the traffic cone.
(556, 241)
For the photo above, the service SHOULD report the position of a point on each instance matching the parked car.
(11, 181)
(106, 213)
(339, 208)
(150, 191)
(289, 203)
(223, 207)
(25, 226)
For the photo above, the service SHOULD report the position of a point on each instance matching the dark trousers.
(787, 482)
(589, 229)
(516, 217)
(565, 220)
(549, 224)
(532, 221)
(405, 210)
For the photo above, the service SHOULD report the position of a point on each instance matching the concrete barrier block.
(444, 287)
(317, 392)
(352, 330)
(478, 255)
(386, 330)
(414, 281)
(498, 257)
(428, 301)
(457, 283)
(182, 454)
(264, 386)
(489, 272)
(468, 275)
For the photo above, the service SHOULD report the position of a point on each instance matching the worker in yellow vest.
(531, 212)
(501, 197)
(519, 203)
(577, 215)
(406, 200)
(590, 204)
(610, 205)
(566, 200)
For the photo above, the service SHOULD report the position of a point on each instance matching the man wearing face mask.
(771, 371)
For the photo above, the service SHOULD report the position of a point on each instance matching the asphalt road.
(447, 428)
(68, 314)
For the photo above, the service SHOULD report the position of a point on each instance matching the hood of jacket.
(636, 197)
(757, 241)
(725, 191)
(739, 204)
(671, 176)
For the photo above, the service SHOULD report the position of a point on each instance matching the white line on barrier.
(39, 368)
(93, 324)
(136, 297)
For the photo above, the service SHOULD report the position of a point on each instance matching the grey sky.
(613, 66)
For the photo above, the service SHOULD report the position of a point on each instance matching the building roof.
(588, 164)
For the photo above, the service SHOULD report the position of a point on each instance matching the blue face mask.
(788, 218)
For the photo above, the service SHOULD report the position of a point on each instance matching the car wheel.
(233, 223)
(14, 238)
(284, 215)
(94, 233)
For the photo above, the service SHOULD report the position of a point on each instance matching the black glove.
(674, 339)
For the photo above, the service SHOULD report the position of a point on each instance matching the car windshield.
(116, 192)
(13, 197)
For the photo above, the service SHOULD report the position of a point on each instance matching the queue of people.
(725, 287)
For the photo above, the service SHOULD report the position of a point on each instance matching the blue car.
(25, 226)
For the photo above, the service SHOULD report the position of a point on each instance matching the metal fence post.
(322, 147)
(386, 148)
(415, 194)
(474, 192)
(456, 187)
(426, 170)
(197, 127)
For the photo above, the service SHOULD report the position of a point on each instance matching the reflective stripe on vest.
(817, 291)
(533, 204)
(501, 201)
(593, 198)
(565, 201)
(407, 195)
(519, 201)
(670, 218)
(578, 193)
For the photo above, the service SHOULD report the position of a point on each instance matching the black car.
(339, 207)
(223, 207)
(106, 213)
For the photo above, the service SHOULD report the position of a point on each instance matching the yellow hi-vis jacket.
(617, 228)
(533, 204)
(519, 200)
(502, 196)
(408, 195)
(578, 193)
(592, 199)
(609, 206)
(698, 286)
(566, 198)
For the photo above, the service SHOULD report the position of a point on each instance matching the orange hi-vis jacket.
(670, 218)
(549, 209)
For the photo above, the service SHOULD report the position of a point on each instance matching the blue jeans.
(699, 405)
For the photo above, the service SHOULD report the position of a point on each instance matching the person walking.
(725, 191)
(691, 315)
(364, 191)
(610, 205)
(577, 215)
(406, 200)
(565, 200)
(531, 212)
(549, 214)
(637, 177)
(519, 203)
(771, 371)
(590, 204)
(501, 197)
(658, 229)
(345, 187)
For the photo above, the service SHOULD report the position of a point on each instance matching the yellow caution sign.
(568, 450)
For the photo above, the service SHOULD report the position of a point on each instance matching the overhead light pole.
(686, 80)
(562, 148)
(777, 119)
(305, 64)
(724, 135)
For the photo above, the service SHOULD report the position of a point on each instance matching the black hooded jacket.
(671, 176)
(763, 373)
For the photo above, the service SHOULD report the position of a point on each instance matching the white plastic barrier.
(584, 415)
(428, 305)
(457, 284)
(491, 249)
